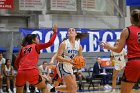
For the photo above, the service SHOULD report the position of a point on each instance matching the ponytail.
(81, 35)
(135, 14)
(139, 18)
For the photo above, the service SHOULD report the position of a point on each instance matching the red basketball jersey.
(29, 57)
(133, 42)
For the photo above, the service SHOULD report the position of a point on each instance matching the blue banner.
(90, 44)
(133, 2)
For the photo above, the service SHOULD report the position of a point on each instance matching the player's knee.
(72, 87)
(75, 86)
(69, 88)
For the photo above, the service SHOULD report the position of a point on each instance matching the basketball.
(79, 62)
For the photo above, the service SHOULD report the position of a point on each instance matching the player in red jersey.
(131, 37)
(26, 62)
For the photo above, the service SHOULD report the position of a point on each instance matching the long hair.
(7, 61)
(81, 35)
(28, 39)
(135, 14)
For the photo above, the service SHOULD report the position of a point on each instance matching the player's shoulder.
(64, 42)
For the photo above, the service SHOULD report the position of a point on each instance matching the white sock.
(9, 90)
(49, 86)
(14, 90)
(1, 90)
(28, 90)
(36, 89)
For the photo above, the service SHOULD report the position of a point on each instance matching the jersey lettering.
(27, 50)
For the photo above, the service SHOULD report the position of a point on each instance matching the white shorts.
(119, 66)
(64, 69)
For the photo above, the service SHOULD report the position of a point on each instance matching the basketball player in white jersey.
(66, 52)
(119, 64)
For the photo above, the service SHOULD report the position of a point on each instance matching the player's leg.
(20, 82)
(130, 76)
(37, 80)
(41, 85)
(71, 85)
(19, 89)
(66, 73)
(114, 77)
(126, 87)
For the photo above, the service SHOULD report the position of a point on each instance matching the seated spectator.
(45, 72)
(2, 63)
(97, 70)
(9, 74)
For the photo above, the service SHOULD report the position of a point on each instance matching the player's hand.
(54, 28)
(106, 45)
(51, 63)
(72, 62)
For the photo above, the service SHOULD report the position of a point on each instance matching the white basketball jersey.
(119, 57)
(8, 70)
(44, 70)
(70, 52)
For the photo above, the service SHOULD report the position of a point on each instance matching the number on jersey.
(27, 50)
(119, 59)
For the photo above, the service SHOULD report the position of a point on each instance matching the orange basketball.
(79, 62)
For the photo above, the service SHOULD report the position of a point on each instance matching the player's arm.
(50, 42)
(53, 58)
(121, 45)
(80, 51)
(16, 63)
(60, 52)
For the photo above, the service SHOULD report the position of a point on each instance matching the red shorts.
(132, 71)
(32, 76)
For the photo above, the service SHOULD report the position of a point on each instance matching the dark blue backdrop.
(133, 2)
(89, 44)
